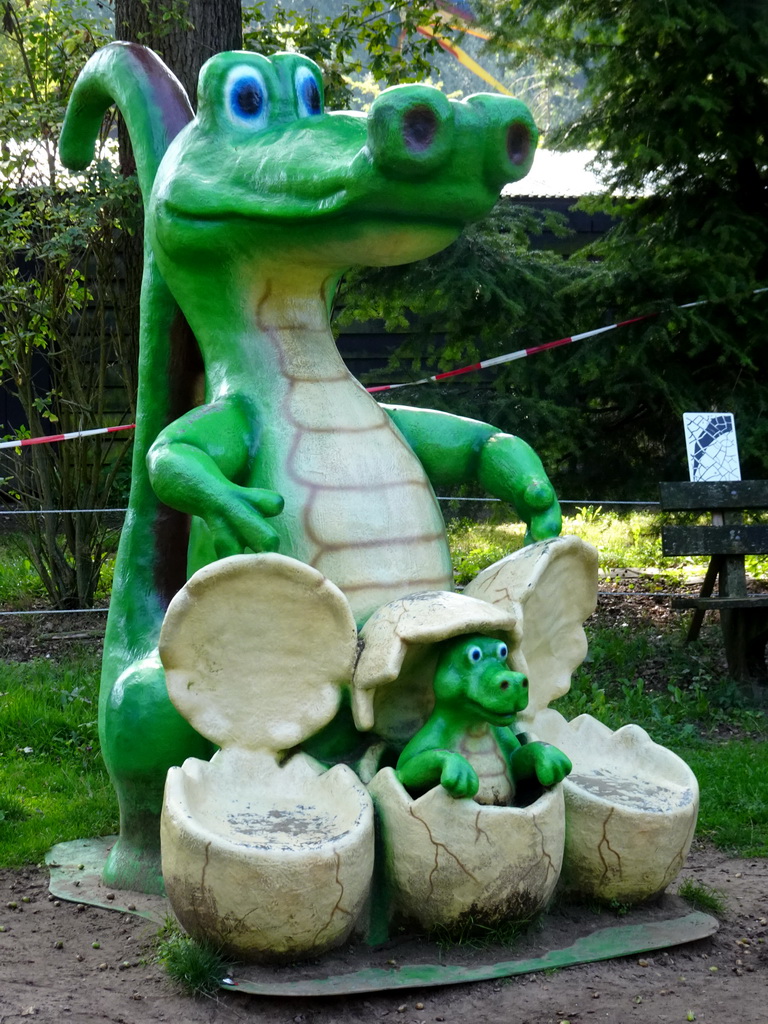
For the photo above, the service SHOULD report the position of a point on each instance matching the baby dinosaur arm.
(430, 767)
(456, 450)
(541, 761)
(193, 466)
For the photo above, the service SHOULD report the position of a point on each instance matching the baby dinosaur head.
(473, 677)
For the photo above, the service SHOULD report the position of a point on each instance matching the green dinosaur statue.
(249, 426)
(468, 745)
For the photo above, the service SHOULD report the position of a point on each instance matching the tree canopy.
(675, 94)
(676, 98)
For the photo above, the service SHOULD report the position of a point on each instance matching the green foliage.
(197, 966)
(360, 38)
(53, 782)
(490, 276)
(627, 540)
(690, 711)
(702, 897)
(20, 585)
(475, 546)
(734, 801)
(695, 700)
(475, 301)
(677, 93)
(62, 348)
(676, 97)
(42, 48)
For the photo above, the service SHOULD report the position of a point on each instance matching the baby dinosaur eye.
(474, 654)
(308, 93)
(502, 651)
(246, 95)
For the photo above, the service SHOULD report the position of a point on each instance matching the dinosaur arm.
(430, 767)
(508, 742)
(193, 466)
(455, 450)
(541, 761)
(428, 759)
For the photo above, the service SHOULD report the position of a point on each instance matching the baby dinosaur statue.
(468, 743)
(251, 433)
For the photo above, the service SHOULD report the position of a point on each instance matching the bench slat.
(714, 540)
(685, 495)
(752, 601)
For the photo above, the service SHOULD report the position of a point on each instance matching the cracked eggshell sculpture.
(448, 859)
(630, 809)
(269, 858)
(392, 686)
(552, 586)
(630, 804)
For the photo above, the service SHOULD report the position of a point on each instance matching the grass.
(20, 586)
(54, 787)
(627, 541)
(679, 695)
(734, 793)
(197, 967)
(703, 897)
(676, 691)
(53, 783)
(473, 934)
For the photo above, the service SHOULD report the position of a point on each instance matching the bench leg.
(713, 570)
(745, 633)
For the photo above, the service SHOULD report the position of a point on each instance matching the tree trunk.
(185, 33)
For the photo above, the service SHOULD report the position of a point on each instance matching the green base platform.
(76, 875)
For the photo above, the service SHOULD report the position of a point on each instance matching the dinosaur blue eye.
(247, 97)
(502, 652)
(308, 93)
(474, 654)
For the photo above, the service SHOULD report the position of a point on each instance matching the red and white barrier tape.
(24, 442)
(521, 353)
(509, 357)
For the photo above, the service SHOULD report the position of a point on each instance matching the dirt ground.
(51, 972)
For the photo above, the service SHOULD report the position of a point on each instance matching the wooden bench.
(743, 615)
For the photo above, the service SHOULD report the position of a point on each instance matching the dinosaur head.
(473, 677)
(264, 165)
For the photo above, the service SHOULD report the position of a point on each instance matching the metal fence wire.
(8, 523)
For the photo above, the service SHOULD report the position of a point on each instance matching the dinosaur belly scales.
(369, 518)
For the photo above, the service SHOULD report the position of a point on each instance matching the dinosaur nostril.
(419, 128)
(524, 684)
(518, 143)
(504, 685)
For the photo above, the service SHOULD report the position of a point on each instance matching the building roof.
(558, 176)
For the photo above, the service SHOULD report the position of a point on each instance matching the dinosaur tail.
(151, 564)
(149, 96)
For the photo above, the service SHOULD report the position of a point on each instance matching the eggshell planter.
(269, 863)
(264, 851)
(630, 808)
(449, 861)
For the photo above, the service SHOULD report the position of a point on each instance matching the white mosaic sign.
(710, 439)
